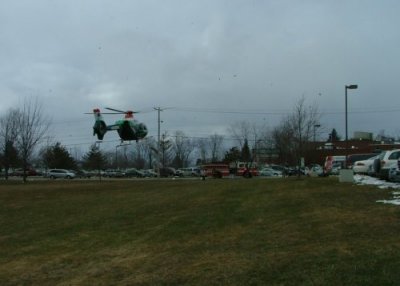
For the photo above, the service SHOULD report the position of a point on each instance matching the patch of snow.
(367, 180)
(393, 202)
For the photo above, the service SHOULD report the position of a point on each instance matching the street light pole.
(315, 127)
(352, 86)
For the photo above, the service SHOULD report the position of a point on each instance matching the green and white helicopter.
(128, 128)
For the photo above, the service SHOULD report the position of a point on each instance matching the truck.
(333, 164)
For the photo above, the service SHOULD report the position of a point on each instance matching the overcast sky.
(256, 58)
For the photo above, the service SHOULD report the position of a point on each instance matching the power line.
(280, 112)
(363, 111)
(209, 110)
(240, 111)
(226, 111)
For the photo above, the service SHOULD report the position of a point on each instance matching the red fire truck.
(216, 170)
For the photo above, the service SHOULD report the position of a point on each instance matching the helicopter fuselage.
(130, 129)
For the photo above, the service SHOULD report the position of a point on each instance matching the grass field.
(312, 231)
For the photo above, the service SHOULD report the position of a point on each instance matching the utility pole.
(158, 140)
(352, 86)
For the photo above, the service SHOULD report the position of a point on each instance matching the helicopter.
(128, 128)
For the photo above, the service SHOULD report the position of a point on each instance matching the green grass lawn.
(313, 231)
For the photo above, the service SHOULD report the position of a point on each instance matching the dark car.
(167, 172)
(20, 172)
(82, 174)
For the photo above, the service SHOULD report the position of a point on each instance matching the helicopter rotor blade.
(105, 113)
(120, 111)
(116, 110)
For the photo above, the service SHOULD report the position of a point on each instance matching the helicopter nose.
(143, 129)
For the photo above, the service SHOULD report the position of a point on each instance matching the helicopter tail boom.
(99, 127)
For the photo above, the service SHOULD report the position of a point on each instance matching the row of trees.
(22, 129)
(176, 151)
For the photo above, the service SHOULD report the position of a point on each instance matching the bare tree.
(140, 154)
(122, 157)
(240, 132)
(215, 143)
(150, 150)
(202, 147)
(282, 137)
(245, 131)
(32, 127)
(8, 137)
(263, 145)
(182, 147)
(303, 120)
(296, 130)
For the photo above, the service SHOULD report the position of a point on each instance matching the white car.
(387, 162)
(365, 166)
(269, 172)
(188, 172)
(60, 173)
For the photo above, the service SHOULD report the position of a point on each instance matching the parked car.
(83, 174)
(150, 173)
(351, 159)
(60, 173)
(269, 172)
(188, 172)
(394, 174)
(365, 166)
(95, 173)
(335, 169)
(20, 172)
(387, 160)
(295, 171)
(167, 172)
(315, 170)
(180, 173)
(280, 168)
(114, 173)
(132, 172)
